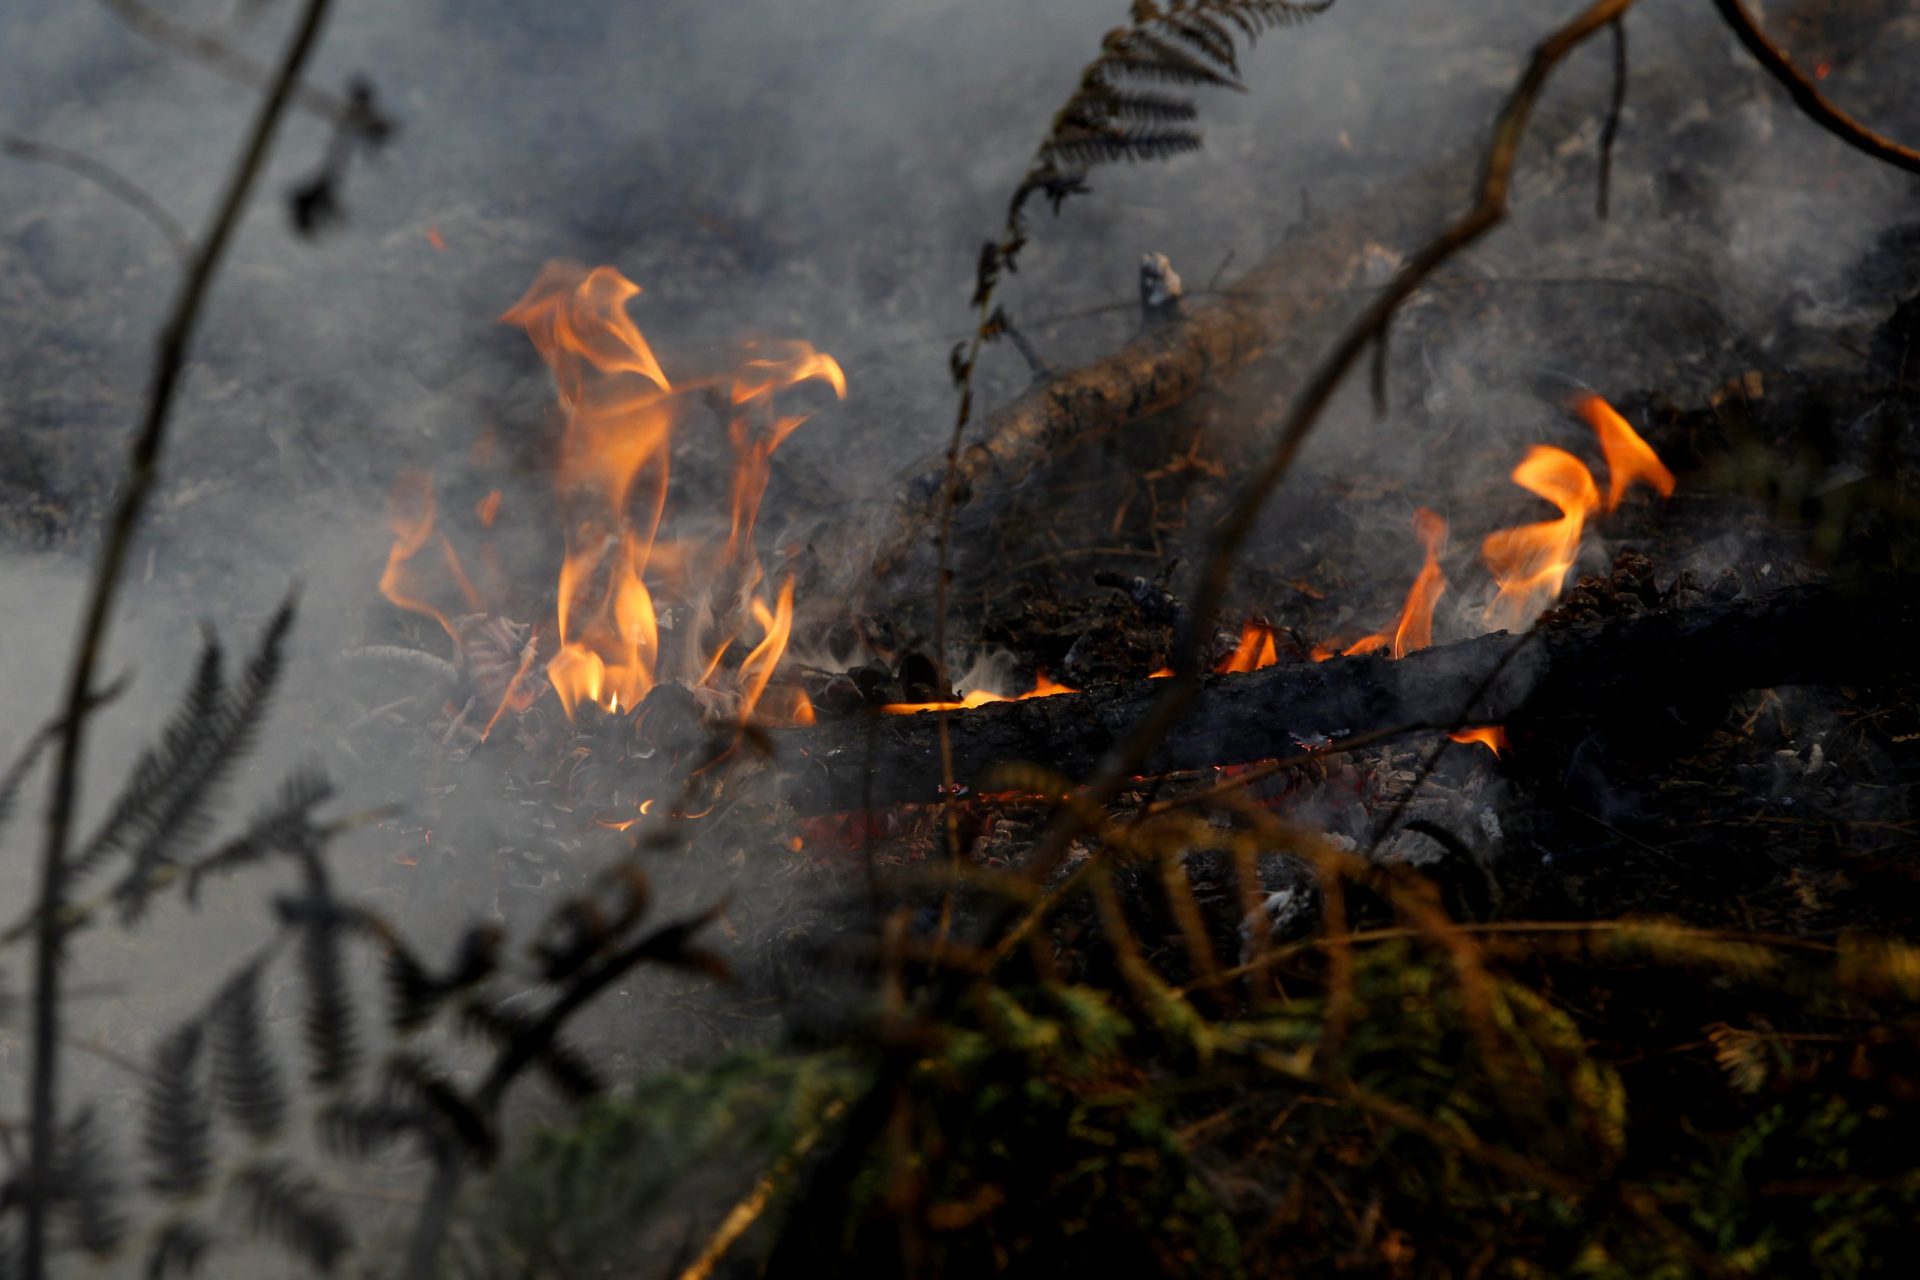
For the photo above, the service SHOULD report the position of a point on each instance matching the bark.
(1618, 669)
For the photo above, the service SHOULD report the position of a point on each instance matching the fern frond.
(284, 826)
(18, 772)
(179, 1125)
(247, 1083)
(288, 1207)
(178, 1250)
(183, 740)
(1083, 149)
(180, 817)
(86, 1188)
(358, 1130)
(1205, 33)
(332, 1041)
(413, 1080)
(565, 1067)
(1142, 54)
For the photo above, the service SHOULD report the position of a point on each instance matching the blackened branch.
(1809, 99)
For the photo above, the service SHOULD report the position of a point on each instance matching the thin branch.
(142, 468)
(107, 179)
(221, 58)
(1614, 109)
(1812, 103)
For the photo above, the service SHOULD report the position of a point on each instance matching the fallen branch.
(1620, 669)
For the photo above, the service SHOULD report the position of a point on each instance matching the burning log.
(1624, 666)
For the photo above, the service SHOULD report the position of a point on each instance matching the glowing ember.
(1491, 736)
(1042, 688)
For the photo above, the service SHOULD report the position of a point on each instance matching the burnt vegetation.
(1117, 1012)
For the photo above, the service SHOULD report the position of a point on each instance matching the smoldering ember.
(904, 638)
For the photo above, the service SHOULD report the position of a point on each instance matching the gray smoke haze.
(825, 171)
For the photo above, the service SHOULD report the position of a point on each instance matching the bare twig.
(1611, 130)
(142, 469)
(1812, 103)
(215, 54)
(107, 179)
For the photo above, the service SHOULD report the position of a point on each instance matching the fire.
(1530, 562)
(1042, 688)
(1255, 650)
(621, 410)
(1629, 458)
(1414, 630)
(621, 584)
(1491, 736)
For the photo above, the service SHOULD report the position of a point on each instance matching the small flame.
(1491, 736)
(1629, 458)
(1042, 688)
(1255, 650)
(487, 510)
(1531, 562)
(1414, 630)
(411, 509)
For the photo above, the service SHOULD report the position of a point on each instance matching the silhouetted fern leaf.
(332, 1042)
(247, 1084)
(565, 1067)
(86, 1188)
(1084, 148)
(184, 740)
(175, 821)
(356, 1129)
(284, 826)
(18, 772)
(413, 1080)
(288, 1207)
(179, 1126)
(178, 1250)
(414, 994)
(1142, 54)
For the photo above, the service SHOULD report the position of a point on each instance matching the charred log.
(1613, 669)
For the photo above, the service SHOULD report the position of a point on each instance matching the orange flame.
(1255, 650)
(1629, 458)
(620, 412)
(1414, 630)
(1042, 688)
(410, 514)
(1491, 736)
(1530, 561)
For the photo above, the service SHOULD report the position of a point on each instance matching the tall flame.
(1629, 458)
(1530, 562)
(620, 411)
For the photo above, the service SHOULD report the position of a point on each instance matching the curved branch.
(107, 179)
(1812, 103)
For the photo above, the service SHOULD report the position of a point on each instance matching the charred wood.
(1612, 669)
